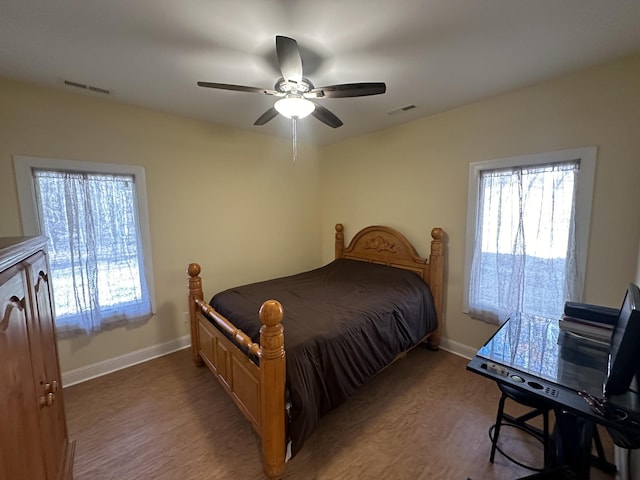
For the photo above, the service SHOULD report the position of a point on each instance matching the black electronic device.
(624, 356)
(591, 313)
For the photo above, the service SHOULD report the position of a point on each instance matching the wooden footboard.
(258, 389)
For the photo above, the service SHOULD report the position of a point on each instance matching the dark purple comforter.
(343, 323)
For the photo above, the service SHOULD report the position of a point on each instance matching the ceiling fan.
(297, 93)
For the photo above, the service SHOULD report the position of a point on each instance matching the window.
(528, 223)
(95, 218)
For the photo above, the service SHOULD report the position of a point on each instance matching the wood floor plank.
(425, 417)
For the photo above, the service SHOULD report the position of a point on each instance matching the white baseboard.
(458, 348)
(94, 370)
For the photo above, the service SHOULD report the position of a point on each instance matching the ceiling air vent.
(100, 90)
(75, 84)
(406, 108)
(89, 88)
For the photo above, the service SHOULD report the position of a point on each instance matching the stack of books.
(590, 321)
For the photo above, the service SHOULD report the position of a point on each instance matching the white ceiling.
(434, 54)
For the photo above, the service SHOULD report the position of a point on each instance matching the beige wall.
(414, 177)
(262, 216)
(231, 200)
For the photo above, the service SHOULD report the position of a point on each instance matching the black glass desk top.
(536, 346)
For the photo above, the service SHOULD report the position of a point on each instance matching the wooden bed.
(258, 386)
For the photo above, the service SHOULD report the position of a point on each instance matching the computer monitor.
(624, 355)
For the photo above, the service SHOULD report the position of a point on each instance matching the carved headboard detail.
(380, 244)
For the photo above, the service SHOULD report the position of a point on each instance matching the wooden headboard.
(387, 246)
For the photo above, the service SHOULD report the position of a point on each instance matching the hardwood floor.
(425, 417)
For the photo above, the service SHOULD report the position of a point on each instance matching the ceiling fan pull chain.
(295, 138)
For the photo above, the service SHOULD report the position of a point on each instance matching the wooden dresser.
(34, 443)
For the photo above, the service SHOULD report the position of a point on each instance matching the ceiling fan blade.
(326, 117)
(349, 90)
(266, 116)
(237, 88)
(289, 59)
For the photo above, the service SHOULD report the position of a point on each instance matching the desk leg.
(573, 436)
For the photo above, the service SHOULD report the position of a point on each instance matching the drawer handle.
(51, 387)
(47, 400)
(14, 302)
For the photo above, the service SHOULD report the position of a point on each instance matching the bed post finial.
(436, 245)
(272, 388)
(195, 293)
(339, 240)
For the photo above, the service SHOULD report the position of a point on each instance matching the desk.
(531, 354)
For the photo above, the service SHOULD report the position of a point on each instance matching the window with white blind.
(527, 232)
(95, 218)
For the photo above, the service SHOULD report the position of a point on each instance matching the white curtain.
(94, 247)
(524, 248)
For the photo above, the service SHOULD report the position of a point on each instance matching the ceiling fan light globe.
(294, 106)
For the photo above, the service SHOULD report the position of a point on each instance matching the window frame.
(24, 166)
(584, 200)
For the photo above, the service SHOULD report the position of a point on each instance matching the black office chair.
(540, 408)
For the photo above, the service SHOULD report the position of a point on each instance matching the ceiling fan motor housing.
(300, 87)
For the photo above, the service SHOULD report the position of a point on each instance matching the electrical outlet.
(186, 317)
